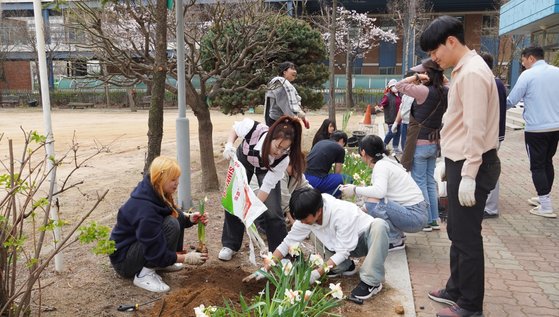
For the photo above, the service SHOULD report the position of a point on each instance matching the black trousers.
(466, 282)
(173, 229)
(272, 220)
(541, 147)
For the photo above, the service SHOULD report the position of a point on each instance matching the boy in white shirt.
(345, 231)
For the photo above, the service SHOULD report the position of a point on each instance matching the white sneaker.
(544, 213)
(151, 282)
(226, 254)
(534, 201)
(171, 268)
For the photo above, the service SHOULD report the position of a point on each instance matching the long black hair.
(322, 133)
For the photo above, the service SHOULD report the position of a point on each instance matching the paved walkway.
(521, 250)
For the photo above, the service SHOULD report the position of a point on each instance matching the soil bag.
(239, 200)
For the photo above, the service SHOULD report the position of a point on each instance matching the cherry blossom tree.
(356, 34)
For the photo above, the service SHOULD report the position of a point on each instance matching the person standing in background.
(492, 204)
(391, 104)
(282, 98)
(541, 133)
(403, 117)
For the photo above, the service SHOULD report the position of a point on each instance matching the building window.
(387, 70)
(490, 25)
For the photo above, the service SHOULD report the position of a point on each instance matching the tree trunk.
(348, 74)
(205, 136)
(205, 132)
(332, 59)
(155, 121)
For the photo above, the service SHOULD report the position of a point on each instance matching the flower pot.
(352, 142)
(359, 135)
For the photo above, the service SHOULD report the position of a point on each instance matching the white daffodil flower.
(292, 296)
(336, 291)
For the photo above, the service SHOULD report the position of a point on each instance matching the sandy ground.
(88, 286)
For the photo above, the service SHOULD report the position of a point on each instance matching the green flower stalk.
(202, 228)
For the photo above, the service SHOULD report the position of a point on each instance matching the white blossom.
(336, 291)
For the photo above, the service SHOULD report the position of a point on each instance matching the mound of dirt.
(208, 286)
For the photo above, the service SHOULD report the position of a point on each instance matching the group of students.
(149, 227)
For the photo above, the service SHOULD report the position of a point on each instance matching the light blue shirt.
(538, 87)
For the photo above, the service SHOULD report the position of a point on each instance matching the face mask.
(393, 89)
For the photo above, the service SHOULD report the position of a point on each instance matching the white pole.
(182, 131)
(45, 101)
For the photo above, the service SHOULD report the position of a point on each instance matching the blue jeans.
(423, 173)
(403, 134)
(372, 244)
(395, 137)
(400, 218)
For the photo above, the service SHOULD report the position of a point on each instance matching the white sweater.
(391, 181)
(342, 224)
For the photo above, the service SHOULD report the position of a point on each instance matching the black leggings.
(134, 261)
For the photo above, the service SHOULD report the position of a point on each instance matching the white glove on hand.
(466, 191)
(229, 151)
(257, 276)
(394, 128)
(315, 276)
(195, 258)
(348, 190)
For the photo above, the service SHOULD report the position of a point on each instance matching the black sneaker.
(364, 290)
(349, 272)
(487, 215)
(441, 296)
(394, 247)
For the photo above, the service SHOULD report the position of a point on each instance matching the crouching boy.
(344, 230)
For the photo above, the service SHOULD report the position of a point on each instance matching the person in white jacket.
(344, 230)
(393, 195)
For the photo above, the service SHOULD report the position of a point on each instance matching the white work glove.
(315, 276)
(229, 151)
(348, 190)
(466, 191)
(394, 128)
(195, 258)
(257, 276)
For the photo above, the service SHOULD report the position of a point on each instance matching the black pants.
(272, 220)
(173, 229)
(541, 147)
(466, 282)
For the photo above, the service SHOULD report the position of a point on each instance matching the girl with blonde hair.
(149, 230)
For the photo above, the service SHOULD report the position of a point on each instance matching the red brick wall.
(17, 75)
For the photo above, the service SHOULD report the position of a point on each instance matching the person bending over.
(344, 231)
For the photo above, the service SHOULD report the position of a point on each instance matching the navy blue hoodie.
(141, 219)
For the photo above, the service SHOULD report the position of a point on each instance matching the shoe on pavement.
(151, 282)
(534, 201)
(427, 228)
(171, 268)
(441, 296)
(457, 311)
(435, 225)
(365, 291)
(226, 254)
(349, 272)
(487, 215)
(539, 212)
(395, 247)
